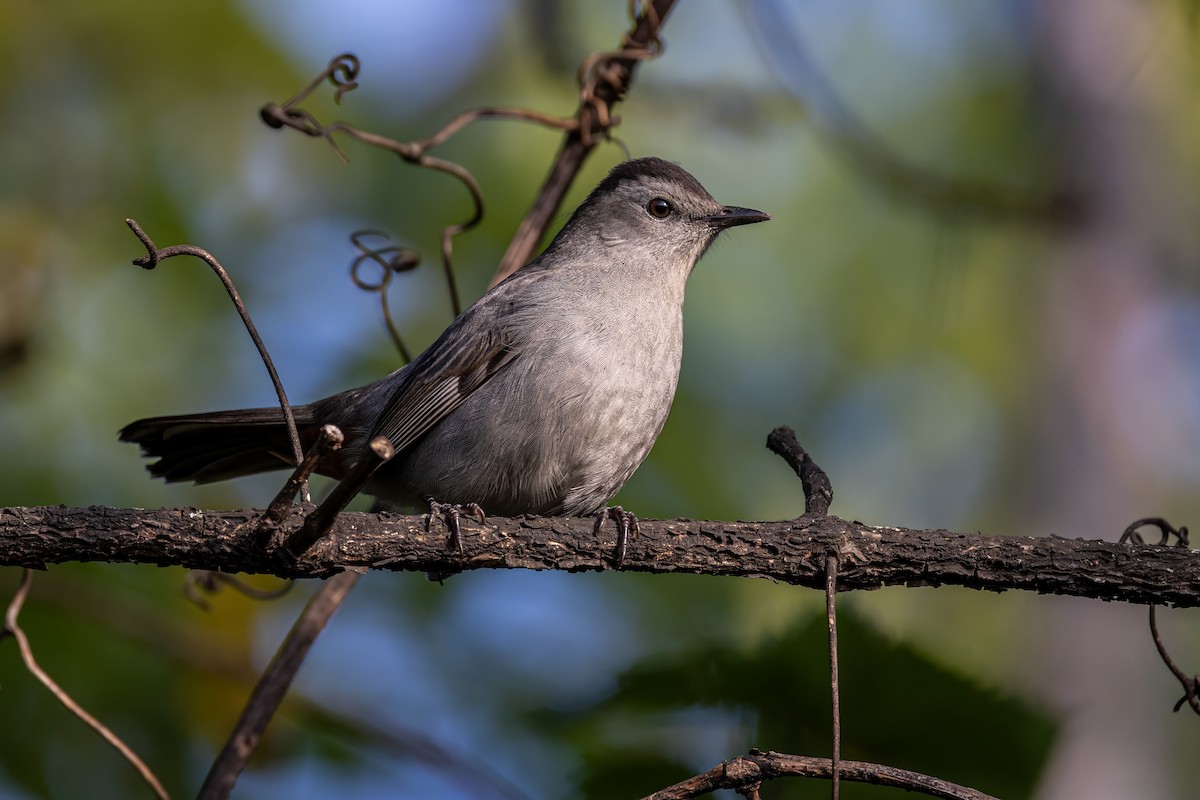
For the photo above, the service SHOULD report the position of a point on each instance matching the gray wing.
(446, 377)
(474, 349)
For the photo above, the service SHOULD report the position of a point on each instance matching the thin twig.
(752, 769)
(155, 255)
(318, 523)
(202, 582)
(414, 152)
(1190, 683)
(273, 685)
(329, 440)
(1132, 534)
(13, 628)
(604, 80)
(516, 114)
(278, 677)
(818, 491)
(831, 570)
(196, 649)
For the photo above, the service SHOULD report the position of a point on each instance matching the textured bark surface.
(791, 551)
(749, 771)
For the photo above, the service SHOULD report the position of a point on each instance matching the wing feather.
(445, 378)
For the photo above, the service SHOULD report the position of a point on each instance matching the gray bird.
(541, 398)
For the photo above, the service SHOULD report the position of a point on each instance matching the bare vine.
(1190, 683)
(12, 627)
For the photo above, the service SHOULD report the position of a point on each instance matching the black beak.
(733, 215)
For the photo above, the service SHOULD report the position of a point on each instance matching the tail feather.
(216, 446)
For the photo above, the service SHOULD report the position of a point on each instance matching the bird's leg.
(450, 514)
(626, 521)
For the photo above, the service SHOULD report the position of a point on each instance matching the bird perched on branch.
(541, 398)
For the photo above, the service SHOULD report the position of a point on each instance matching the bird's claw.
(626, 521)
(450, 514)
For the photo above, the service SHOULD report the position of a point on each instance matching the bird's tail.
(219, 445)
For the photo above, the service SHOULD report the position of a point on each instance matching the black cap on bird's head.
(653, 203)
(651, 170)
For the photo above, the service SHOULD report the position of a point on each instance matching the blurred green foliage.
(899, 708)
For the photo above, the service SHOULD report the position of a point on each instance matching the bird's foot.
(450, 514)
(626, 521)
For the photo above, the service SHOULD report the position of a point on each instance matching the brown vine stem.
(1190, 683)
(1132, 534)
(391, 260)
(155, 255)
(317, 524)
(414, 152)
(13, 628)
(329, 440)
(831, 571)
(273, 685)
(604, 80)
(748, 771)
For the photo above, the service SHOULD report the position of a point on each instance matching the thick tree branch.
(790, 552)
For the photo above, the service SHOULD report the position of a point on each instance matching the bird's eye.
(660, 208)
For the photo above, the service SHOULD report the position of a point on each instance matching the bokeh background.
(977, 305)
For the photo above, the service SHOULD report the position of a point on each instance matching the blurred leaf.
(898, 708)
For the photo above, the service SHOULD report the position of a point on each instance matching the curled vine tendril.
(391, 260)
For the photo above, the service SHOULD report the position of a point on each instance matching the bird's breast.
(564, 425)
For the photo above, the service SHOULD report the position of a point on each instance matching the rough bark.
(790, 551)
